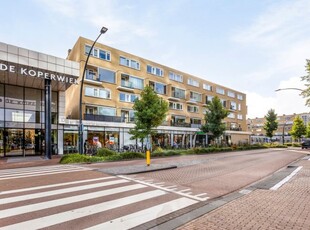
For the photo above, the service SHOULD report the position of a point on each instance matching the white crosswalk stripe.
(39, 171)
(61, 204)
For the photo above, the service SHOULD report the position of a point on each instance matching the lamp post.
(81, 128)
(285, 123)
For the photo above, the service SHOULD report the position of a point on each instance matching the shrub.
(104, 152)
(296, 144)
(79, 158)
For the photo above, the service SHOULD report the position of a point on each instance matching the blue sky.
(253, 46)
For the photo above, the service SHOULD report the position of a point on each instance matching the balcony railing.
(178, 95)
(95, 117)
(195, 125)
(180, 124)
(127, 84)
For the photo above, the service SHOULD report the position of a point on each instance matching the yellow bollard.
(148, 157)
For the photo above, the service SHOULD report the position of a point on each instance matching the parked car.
(305, 144)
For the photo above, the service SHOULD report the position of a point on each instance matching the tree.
(150, 112)
(308, 130)
(306, 93)
(214, 116)
(271, 123)
(298, 128)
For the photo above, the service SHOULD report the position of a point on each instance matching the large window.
(154, 70)
(209, 99)
(127, 97)
(129, 63)
(192, 82)
(195, 96)
(95, 92)
(176, 106)
(131, 82)
(233, 105)
(220, 90)
(158, 87)
(98, 53)
(178, 93)
(230, 94)
(240, 97)
(192, 109)
(207, 87)
(106, 75)
(175, 77)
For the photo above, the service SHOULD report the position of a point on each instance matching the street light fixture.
(81, 128)
(285, 123)
(289, 89)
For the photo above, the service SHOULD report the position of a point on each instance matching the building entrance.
(21, 142)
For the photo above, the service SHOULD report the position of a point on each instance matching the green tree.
(214, 116)
(150, 112)
(308, 130)
(271, 123)
(306, 93)
(298, 128)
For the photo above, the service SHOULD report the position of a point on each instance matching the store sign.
(26, 71)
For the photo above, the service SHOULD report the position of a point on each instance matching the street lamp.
(285, 123)
(81, 128)
(289, 89)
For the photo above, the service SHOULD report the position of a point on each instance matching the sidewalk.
(285, 208)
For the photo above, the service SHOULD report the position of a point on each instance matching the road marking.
(7, 175)
(164, 189)
(286, 179)
(59, 191)
(54, 185)
(63, 201)
(58, 218)
(37, 169)
(137, 218)
(245, 191)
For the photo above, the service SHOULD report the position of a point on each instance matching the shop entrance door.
(23, 142)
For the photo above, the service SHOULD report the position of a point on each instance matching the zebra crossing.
(39, 171)
(107, 202)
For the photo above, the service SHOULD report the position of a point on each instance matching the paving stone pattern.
(286, 208)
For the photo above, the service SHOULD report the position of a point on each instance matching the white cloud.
(283, 102)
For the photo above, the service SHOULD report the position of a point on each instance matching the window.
(158, 87)
(209, 99)
(233, 105)
(220, 90)
(108, 111)
(207, 87)
(127, 97)
(192, 82)
(98, 53)
(224, 103)
(129, 63)
(106, 75)
(155, 70)
(95, 92)
(178, 93)
(240, 97)
(195, 96)
(239, 107)
(230, 94)
(131, 82)
(175, 105)
(239, 116)
(231, 115)
(175, 77)
(91, 75)
(192, 109)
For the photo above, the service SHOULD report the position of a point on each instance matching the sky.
(252, 46)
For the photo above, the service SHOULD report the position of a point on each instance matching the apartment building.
(285, 123)
(114, 79)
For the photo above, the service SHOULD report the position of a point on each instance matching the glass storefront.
(22, 121)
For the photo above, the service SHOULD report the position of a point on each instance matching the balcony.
(126, 86)
(196, 126)
(181, 124)
(95, 117)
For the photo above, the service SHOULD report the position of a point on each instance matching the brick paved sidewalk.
(286, 208)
